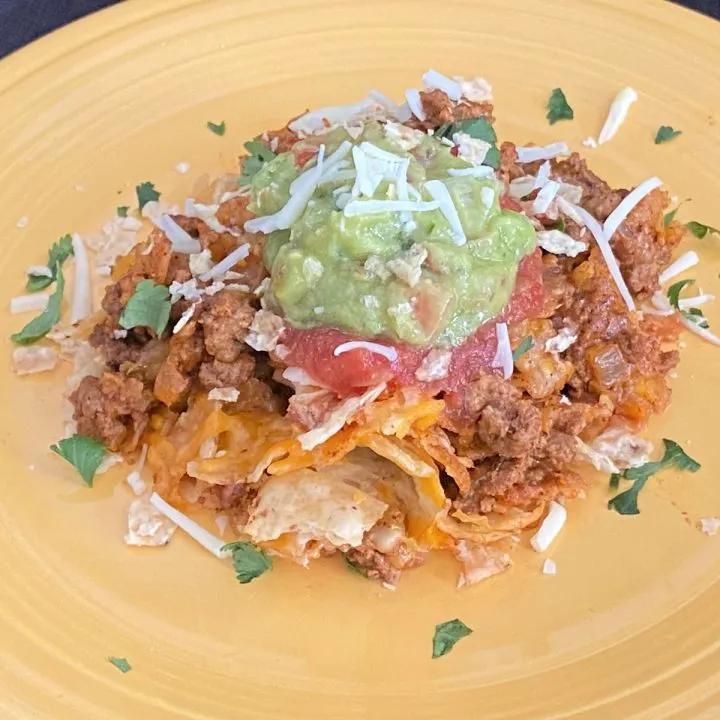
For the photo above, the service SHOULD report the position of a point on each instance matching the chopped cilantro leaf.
(83, 453)
(447, 634)
(695, 315)
(58, 254)
(522, 348)
(478, 129)
(615, 481)
(217, 129)
(674, 291)
(665, 133)
(558, 107)
(250, 562)
(121, 664)
(146, 193)
(559, 224)
(258, 155)
(351, 565)
(699, 230)
(42, 324)
(492, 159)
(122, 211)
(626, 503)
(149, 307)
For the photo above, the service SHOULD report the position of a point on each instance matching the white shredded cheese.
(298, 376)
(471, 149)
(548, 152)
(503, 355)
(618, 112)
(476, 90)
(373, 207)
(404, 137)
(521, 187)
(439, 192)
(433, 80)
(338, 417)
(184, 319)
(560, 243)
(704, 333)
(550, 527)
(320, 121)
(683, 263)
(599, 234)
(590, 142)
(549, 567)
(200, 262)
(197, 533)
(29, 303)
(181, 241)
(620, 213)
(31, 360)
(387, 352)
(685, 303)
(435, 365)
(222, 523)
(543, 176)
(82, 291)
(567, 208)
(227, 394)
(544, 198)
(134, 479)
(265, 330)
(481, 171)
(710, 525)
(414, 102)
(227, 263)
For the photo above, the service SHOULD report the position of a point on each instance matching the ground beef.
(257, 396)
(113, 409)
(175, 378)
(225, 319)
(236, 498)
(218, 374)
(219, 244)
(440, 109)
(116, 351)
(309, 409)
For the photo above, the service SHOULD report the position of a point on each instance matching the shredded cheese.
(433, 80)
(184, 319)
(683, 263)
(209, 541)
(481, 171)
(181, 241)
(685, 303)
(226, 394)
(544, 198)
(503, 355)
(373, 207)
(549, 567)
(320, 121)
(599, 234)
(560, 243)
(550, 528)
(618, 112)
(620, 213)
(439, 192)
(82, 290)
(710, 525)
(704, 333)
(28, 303)
(227, 263)
(387, 352)
(414, 102)
(531, 154)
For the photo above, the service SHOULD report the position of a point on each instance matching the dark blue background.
(24, 20)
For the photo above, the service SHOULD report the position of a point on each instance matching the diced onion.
(599, 234)
(387, 352)
(620, 213)
(551, 526)
(209, 541)
(683, 263)
(82, 291)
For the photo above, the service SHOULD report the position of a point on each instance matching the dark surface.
(21, 21)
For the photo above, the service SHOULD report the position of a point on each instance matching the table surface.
(25, 20)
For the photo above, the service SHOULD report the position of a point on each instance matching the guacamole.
(411, 276)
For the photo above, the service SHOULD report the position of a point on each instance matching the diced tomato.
(510, 203)
(347, 374)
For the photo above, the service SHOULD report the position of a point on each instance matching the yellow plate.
(628, 628)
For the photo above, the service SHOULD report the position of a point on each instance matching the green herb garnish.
(83, 453)
(626, 503)
(57, 255)
(149, 307)
(217, 129)
(122, 211)
(351, 565)
(146, 193)
(695, 315)
(665, 133)
(558, 107)
(674, 291)
(121, 664)
(41, 325)
(478, 129)
(522, 348)
(249, 561)
(699, 230)
(446, 635)
(559, 224)
(258, 155)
